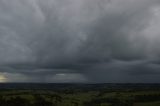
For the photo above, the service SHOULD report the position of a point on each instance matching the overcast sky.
(80, 41)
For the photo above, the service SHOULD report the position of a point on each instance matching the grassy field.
(80, 97)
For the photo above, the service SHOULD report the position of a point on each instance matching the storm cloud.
(80, 40)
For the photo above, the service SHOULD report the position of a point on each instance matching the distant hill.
(64, 86)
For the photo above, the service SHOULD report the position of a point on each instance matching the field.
(81, 95)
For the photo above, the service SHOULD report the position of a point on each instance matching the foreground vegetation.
(81, 97)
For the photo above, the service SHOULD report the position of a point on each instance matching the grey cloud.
(88, 39)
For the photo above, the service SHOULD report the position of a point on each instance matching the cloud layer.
(80, 40)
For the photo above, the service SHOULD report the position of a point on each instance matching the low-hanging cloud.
(80, 40)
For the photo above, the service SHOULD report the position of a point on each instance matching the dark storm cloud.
(80, 40)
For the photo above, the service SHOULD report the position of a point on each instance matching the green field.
(101, 97)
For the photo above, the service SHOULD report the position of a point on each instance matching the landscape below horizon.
(51, 94)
